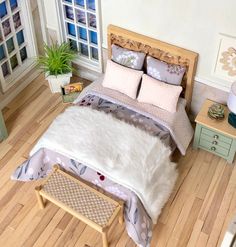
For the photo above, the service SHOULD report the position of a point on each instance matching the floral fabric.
(169, 73)
(128, 58)
(138, 223)
(129, 116)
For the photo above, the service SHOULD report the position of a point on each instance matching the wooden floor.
(197, 213)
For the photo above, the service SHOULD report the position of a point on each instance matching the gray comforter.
(138, 223)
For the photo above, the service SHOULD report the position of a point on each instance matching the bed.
(119, 144)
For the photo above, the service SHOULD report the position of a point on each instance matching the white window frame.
(29, 41)
(80, 60)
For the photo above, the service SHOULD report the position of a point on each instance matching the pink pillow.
(122, 79)
(159, 93)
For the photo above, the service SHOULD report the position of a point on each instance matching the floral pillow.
(128, 58)
(169, 73)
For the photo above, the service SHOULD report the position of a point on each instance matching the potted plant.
(56, 63)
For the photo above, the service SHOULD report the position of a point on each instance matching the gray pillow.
(169, 73)
(128, 58)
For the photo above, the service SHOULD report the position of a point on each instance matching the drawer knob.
(215, 142)
(216, 137)
(213, 148)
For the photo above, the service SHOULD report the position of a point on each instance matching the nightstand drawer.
(213, 148)
(216, 136)
(214, 142)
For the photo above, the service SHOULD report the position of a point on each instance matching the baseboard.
(215, 84)
(86, 73)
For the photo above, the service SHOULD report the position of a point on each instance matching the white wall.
(192, 24)
(51, 13)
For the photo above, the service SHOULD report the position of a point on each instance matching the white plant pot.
(55, 82)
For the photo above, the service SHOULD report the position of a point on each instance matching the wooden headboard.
(160, 50)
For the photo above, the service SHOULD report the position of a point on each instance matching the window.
(80, 22)
(16, 41)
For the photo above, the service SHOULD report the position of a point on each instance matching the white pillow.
(122, 79)
(158, 93)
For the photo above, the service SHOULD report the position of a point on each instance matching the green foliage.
(57, 59)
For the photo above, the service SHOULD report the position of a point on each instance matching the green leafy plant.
(57, 59)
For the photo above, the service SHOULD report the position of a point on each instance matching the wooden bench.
(81, 200)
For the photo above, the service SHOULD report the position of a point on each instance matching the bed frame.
(160, 50)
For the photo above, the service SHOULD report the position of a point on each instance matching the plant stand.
(56, 82)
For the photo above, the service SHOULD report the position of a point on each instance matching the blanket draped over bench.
(122, 152)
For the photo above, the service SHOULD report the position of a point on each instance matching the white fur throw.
(122, 152)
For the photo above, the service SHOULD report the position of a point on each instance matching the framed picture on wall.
(225, 66)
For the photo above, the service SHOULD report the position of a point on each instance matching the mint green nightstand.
(215, 136)
(3, 129)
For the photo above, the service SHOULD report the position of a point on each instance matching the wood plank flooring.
(197, 213)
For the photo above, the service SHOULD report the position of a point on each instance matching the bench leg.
(121, 216)
(39, 197)
(104, 239)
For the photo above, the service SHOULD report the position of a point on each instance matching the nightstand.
(215, 136)
(3, 130)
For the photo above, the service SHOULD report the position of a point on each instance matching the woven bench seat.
(81, 200)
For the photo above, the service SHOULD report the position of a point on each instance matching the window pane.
(5, 69)
(73, 44)
(82, 33)
(81, 28)
(92, 20)
(71, 29)
(23, 54)
(80, 15)
(93, 37)
(20, 38)
(3, 9)
(14, 62)
(6, 27)
(13, 47)
(94, 52)
(10, 45)
(2, 53)
(79, 2)
(13, 4)
(91, 4)
(69, 12)
(16, 20)
(84, 49)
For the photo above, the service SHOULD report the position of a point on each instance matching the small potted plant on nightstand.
(56, 63)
